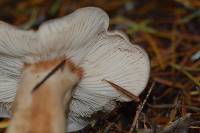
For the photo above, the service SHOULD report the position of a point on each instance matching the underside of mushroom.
(82, 37)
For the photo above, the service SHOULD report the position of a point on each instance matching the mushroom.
(83, 38)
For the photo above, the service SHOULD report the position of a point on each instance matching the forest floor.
(169, 30)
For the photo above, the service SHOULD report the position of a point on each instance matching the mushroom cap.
(70, 36)
(115, 59)
(83, 37)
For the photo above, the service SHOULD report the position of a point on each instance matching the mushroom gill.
(82, 37)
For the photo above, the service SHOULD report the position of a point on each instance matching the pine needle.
(123, 91)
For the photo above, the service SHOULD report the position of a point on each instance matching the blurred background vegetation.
(169, 30)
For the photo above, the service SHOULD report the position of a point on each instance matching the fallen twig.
(167, 106)
(139, 109)
(169, 83)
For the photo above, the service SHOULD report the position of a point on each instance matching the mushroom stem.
(43, 110)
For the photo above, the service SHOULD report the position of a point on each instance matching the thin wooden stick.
(62, 63)
(139, 109)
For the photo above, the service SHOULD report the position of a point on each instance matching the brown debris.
(167, 30)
